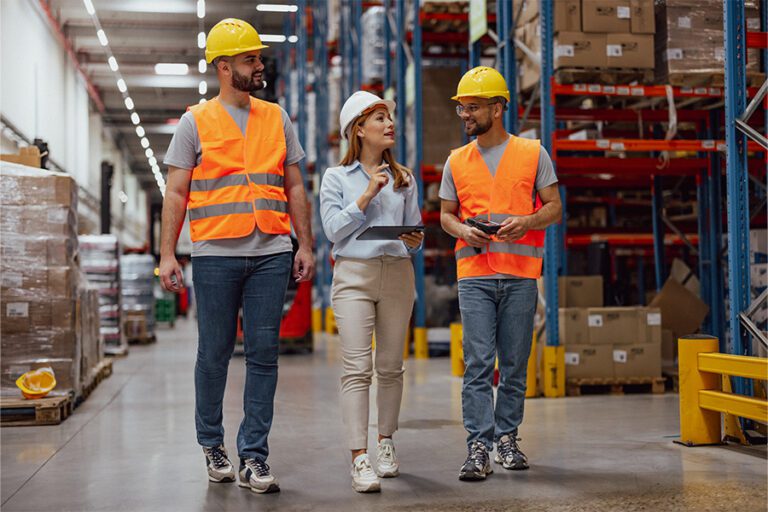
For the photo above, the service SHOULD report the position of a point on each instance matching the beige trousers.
(372, 295)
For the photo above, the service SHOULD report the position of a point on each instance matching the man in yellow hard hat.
(233, 168)
(498, 194)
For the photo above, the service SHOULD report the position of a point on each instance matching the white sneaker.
(256, 476)
(217, 463)
(364, 479)
(386, 460)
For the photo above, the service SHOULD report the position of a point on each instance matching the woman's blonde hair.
(402, 174)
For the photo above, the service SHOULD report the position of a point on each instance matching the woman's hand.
(412, 240)
(379, 180)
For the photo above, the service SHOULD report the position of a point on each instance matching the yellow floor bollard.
(531, 391)
(553, 371)
(317, 320)
(420, 344)
(330, 321)
(407, 347)
(697, 425)
(457, 350)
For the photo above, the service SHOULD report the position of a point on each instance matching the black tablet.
(387, 232)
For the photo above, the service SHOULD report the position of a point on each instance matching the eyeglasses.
(472, 108)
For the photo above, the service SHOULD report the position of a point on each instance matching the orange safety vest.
(238, 184)
(510, 192)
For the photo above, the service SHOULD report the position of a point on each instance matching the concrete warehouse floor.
(131, 446)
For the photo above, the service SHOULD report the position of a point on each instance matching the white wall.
(42, 94)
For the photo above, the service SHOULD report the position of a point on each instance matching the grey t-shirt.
(545, 176)
(185, 152)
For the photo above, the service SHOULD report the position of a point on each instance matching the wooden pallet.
(17, 412)
(673, 379)
(607, 76)
(101, 372)
(144, 340)
(578, 387)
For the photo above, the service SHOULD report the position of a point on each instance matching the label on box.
(674, 54)
(619, 356)
(17, 310)
(564, 50)
(613, 50)
(12, 280)
(753, 23)
(720, 54)
(57, 216)
(654, 318)
(595, 320)
(683, 22)
(622, 12)
(617, 146)
(603, 143)
(572, 358)
(16, 248)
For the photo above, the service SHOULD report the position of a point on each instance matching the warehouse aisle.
(132, 447)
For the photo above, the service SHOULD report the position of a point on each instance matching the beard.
(479, 128)
(246, 83)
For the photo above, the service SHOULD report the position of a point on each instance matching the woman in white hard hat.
(373, 282)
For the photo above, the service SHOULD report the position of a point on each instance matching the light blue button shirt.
(343, 220)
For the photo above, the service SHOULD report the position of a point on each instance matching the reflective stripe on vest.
(507, 194)
(238, 186)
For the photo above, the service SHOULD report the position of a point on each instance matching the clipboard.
(387, 232)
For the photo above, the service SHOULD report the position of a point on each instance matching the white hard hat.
(356, 105)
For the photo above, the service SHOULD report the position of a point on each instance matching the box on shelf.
(630, 51)
(613, 326)
(606, 16)
(682, 312)
(580, 291)
(573, 326)
(637, 360)
(579, 49)
(642, 19)
(588, 361)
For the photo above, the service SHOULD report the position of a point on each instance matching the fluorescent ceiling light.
(89, 7)
(135, 118)
(152, 161)
(203, 87)
(102, 37)
(129, 103)
(121, 85)
(169, 68)
(112, 61)
(123, 197)
(272, 38)
(201, 40)
(140, 131)
(293, 39)
(149, 152)
(202, 66)
(144, 142)
(277, 8)
(201, 9)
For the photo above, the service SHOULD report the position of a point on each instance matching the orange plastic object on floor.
(36, 383)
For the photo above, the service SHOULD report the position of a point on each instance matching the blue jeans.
(222, 286)
(497, 317)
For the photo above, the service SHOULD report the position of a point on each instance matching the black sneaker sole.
(269, 490)
(474, 477)
(516, 467)
(223, 480)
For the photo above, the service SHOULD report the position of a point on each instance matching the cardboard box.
(524, 11)
(36, 282)
(649, 325)
(642, 19)
(577, 49)
(588, 361)
(29, 156)
(630, 51)
(24, 316)
(580, 291)
(682, 312)
(573, 326)
(606, 16)
(26, 186)
(638, 360)
(52, 220)
(668, 347)
(613, 326)
(568, 16)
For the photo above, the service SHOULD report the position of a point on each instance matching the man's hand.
(412, 240)
(170, 269)
(513, 228)
(474, 236)
(303, 265)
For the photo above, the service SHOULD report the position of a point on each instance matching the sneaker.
(254, 474)
(508, 454)
(364, 479)
(478, 463)
(386, 460)
(220, 469)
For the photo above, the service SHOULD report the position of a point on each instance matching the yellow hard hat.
(482, 82)
(37, 383)
(231, 36)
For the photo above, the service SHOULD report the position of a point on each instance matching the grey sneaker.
(387, 465)
(508, 453)
(364, 478)
(255, 475)
(220, 469)
(478, 463)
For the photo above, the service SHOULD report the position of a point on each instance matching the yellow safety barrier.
(330, 321)
(317, 320)
(702, 399)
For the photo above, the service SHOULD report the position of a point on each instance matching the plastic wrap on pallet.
(689, 37)
(42, 287)
(374, 53)
(137, 274)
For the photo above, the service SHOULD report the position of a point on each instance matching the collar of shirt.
(357, 165)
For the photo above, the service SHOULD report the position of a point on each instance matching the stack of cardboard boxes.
(606, 342)
(47, 315)
(616, 34)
